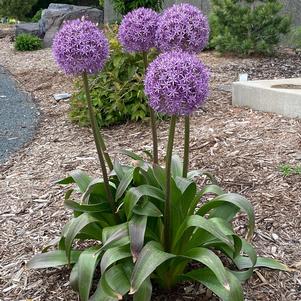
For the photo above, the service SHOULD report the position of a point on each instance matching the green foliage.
(27, 42)
(248, 26)
(123, 6)
(288, 170)
(117, 92)
(131, 253)
(38, 15)
(296, 37)
(16, 8)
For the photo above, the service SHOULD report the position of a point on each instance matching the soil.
(242, 147)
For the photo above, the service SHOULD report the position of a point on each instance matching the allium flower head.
(138, 29)
(79, 47)
(182, 27)
(176, 83)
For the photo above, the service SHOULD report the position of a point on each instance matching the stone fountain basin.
(260, 95)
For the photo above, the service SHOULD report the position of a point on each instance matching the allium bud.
(182, 27)
(138, 29)
(79, 47)
(176, 83)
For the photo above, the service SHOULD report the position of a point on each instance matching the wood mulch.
(242, 147)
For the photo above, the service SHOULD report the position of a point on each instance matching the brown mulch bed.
(242, 147)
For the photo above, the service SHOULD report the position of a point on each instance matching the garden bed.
(242, 147)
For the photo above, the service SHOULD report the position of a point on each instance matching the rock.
(30, 28)
(61, 96)
(56, 14)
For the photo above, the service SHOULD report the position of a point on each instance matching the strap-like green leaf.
(137, 226)
(96, 188)
(145, 291)
(212, 261)
(124, 183)
(101, 207)
(75, 227)
(160, 176)
(151, 256)
(86, 265)
(183, 196)
(52, 259)
(113, 255)
(212, 189)
(115, 236)
(117, 278)
(209, 279)
(243, 262)
(176, 166)
(202, 223)
(79, 177)
(235, 199)
(133, 196)
(147, 208)
(103, 292)
(73, 279)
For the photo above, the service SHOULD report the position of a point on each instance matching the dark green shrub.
(16, 8)
(123, 7)
(27, 42)
(295, 39)
(117, 92)
(247, 26)
(37, 16)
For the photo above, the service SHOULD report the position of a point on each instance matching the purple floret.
(80, 47)
(182, 27)
(176, 83)
(138, 29)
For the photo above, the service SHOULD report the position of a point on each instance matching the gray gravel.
(18, 116)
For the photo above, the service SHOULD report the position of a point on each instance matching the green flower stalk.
(167, 208)
(80, 48)
(152, 121)
(100, 146)
(137, 34)
(186, 145)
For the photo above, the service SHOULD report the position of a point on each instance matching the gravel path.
(18, 116)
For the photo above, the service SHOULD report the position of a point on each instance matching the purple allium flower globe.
(80, 47)
(137, 30)
(182, 27)
(176, 83)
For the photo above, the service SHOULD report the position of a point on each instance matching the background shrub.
(295, 40)
(38, 15)
(27, 42)
(16, 8)
(123, 6)
(117, 92)
(247, 26)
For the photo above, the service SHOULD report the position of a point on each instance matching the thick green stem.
(186, 146)
(152, 121)
(98, 143)
(167, 209)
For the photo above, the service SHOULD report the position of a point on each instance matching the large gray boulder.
(53, 18)
(29, 28)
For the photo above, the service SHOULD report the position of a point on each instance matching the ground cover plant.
(247, 27)
(27, 42)
(149, 223)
